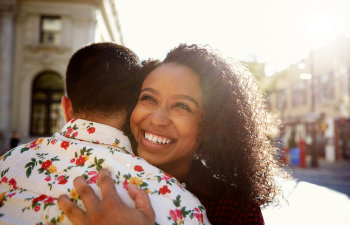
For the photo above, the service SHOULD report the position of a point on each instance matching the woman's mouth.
(157, 139)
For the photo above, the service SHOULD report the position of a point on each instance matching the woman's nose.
(160, 117)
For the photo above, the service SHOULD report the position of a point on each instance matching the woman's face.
(166, 118)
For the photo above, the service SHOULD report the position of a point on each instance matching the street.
(315, 196)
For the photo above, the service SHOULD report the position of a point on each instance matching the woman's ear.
(67, 108)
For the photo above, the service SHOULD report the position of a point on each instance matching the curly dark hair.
(235, 128)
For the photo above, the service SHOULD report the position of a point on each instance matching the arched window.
(47, 115)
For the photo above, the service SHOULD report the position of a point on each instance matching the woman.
(203, 121)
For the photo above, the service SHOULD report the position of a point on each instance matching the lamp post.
(314, 161)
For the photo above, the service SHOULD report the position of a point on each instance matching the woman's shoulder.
(222, 202)
(225, 207)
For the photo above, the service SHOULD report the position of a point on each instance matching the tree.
(258, 69)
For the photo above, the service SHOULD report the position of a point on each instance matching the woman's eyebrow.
(150, 90)
(183, 96)
(188, 98)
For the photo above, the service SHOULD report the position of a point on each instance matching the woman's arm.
(109, 210)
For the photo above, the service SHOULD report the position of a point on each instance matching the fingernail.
(79, 179)
(104, 170)
(131, 186)
(63, 198)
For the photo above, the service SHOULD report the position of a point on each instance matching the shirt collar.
(96, 133)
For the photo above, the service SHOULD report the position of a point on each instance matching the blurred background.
(298, 50)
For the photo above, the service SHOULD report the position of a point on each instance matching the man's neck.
(116, 120)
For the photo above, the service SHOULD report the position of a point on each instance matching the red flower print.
(75, 134)
(12, 194)
(40, 198)
(73, 120)
(172, 215)
(125, 184)
(36, 208)
(92, 173)
(166, 178)
(178, 213)
(48, 178)
(33, 144)
(50, 200)
(80, 160)
(53, 141)
(4, 179)
(91, 130)
(72, 160)
(92, 180)
(168, 175)
(62, 180)
(163, 190)
(45, 165)
(12, 182)
(65, 145)
(69, 132)
(175, 214)
(199, 217)
(138, 168)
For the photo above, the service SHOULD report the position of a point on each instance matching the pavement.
(314, 196)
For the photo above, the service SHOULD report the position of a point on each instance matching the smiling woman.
(165, 122)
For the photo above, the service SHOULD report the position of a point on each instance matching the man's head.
(101, 82)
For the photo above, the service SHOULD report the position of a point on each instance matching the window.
(324, 88)
(47, 115)
(299, 94)
(50, 30)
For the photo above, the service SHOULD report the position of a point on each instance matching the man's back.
(34, 175)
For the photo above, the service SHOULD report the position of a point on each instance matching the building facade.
(315, 94)
(37, 38)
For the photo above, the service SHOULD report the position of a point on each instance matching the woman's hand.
(110, 210)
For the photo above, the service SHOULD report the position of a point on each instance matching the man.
(101, 80)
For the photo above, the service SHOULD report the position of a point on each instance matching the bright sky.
(277, 32)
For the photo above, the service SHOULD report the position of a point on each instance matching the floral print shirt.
(32, 176)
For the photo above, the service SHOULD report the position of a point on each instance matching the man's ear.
(67, 108)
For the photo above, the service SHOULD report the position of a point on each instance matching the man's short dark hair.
(102, 78)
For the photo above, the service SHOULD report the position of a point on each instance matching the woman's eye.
(146, 98)
(183, 106)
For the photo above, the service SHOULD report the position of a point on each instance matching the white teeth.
(156, 139)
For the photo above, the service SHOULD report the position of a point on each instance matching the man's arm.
(109, 210)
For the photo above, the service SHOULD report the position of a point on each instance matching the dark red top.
(221, 205)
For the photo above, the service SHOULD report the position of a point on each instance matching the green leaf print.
(48, 204)
(30, 166)
(24, 149)
(4, 172)
(177, 201)
(55, 159)
(7, 154)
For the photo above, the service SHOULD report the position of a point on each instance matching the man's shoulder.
(23, 149)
